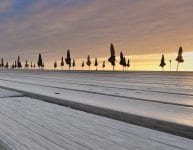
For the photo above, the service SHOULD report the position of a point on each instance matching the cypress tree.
(68, 59)
(122, 60)
(19, 65)
(62, 62)
(26, 65)
(40, 62)
(128, 63)
(73, 64)
(124, 63)
(112, 58)
(31, 65)
(55, 64)
(96, 63)
(88, 62)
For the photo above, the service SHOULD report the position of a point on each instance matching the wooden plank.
(32, 124)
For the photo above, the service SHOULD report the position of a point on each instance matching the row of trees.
(179, 60)
(71, 62)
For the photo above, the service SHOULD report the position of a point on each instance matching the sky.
(135, 27)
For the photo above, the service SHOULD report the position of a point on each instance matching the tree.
(88, 62)
(2, 63)
(179, 58)
(68, 59)
(62, 62)
(82, 65)
(40, 62)
(121, 60)
(128, 63)
(112, 58)
(96, 63)
(26, 65)
(19, 65)
(55, 64)
(31, 65)
(124, 63)
(73, 64)
(162, 63)
(103, 66)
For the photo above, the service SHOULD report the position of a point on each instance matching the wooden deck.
(29, 123)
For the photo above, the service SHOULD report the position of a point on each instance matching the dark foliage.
(19, 65)
(112, 58)
(68, 59)
(40, 61)
(55, 65)
(162, 63)
(88, 61)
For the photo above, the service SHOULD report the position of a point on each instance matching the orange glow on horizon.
(148, 62)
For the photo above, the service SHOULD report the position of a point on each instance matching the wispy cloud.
(5, 5)
(88, 26)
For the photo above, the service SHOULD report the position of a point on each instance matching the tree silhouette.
(162, 63)
(40, 62)
(88, 62)
(103, 66)
(2, 62)
(179, 58)
(112, 58)
(128, 64)
(82, 65)
(73, 64)
(26, 65)
(62, 62)
(55, 64)
(19, 65)
(96, 63)
(68, 59)
(31, 65)
(122, 61)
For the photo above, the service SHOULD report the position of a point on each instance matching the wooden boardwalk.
(30, 124)
(162, 101)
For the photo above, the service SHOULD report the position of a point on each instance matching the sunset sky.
(136, 27)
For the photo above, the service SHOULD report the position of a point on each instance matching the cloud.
(5, 5)
(89, 26)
